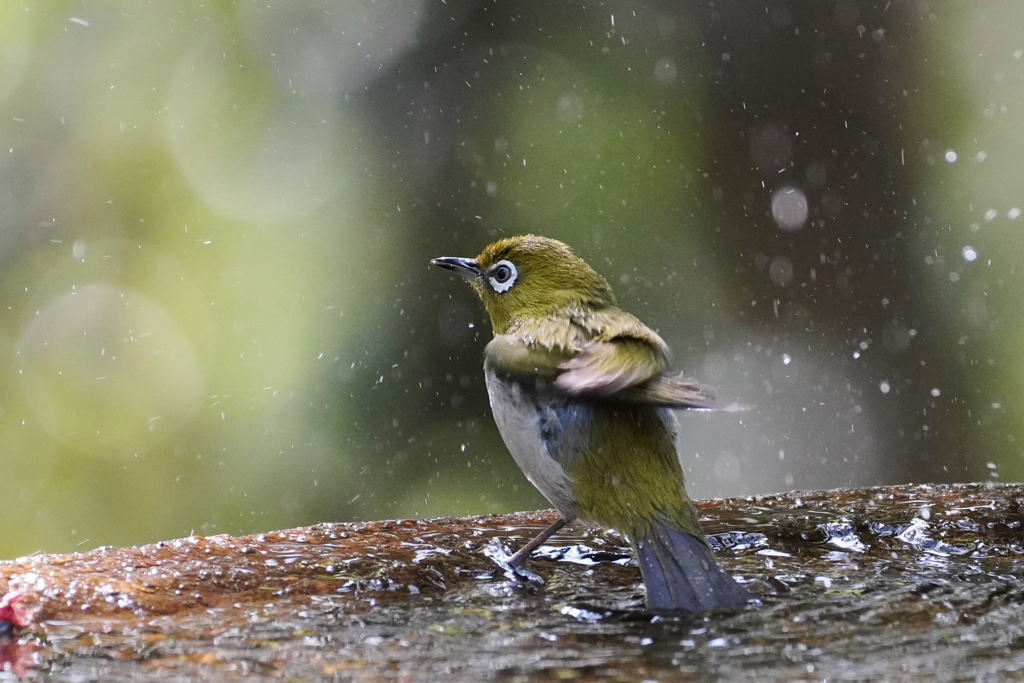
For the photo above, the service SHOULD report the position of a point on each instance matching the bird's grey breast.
(544, 431)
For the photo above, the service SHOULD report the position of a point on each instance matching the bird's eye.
(502, 276)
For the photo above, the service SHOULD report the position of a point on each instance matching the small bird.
(581, 398)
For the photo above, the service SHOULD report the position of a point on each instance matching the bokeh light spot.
(789, 208)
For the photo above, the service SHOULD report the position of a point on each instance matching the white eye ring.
(502, 276)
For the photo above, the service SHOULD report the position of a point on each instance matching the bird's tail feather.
(680, 573)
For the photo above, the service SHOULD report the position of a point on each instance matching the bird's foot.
(513, 568)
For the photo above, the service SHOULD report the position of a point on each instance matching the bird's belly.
(523, 417)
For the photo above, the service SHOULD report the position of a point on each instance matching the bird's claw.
(512, 566)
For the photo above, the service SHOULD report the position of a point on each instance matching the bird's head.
(530, 276)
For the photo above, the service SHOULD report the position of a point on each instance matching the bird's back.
(603, 461)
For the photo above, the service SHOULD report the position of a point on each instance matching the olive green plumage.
(561, 319)
(580, 395)
(629, 477)
(559, 284)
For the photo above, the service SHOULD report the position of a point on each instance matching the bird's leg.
(520, 556)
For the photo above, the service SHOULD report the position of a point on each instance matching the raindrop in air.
(969, 253)
(789, 208)
(950, 156)
(884, 387)
(780, 270)
(665, 71)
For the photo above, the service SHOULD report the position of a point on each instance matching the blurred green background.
(216, 313)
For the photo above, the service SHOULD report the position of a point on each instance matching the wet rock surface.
(896, 583)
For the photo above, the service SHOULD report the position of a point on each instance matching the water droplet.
(1013, 213)
(936, 392)
(950, 156)
(569, 109)
(969, 253)
(780, 270)
(884, 387)
(991, 214)
(786, 359)
(665, 71)
(789, 208)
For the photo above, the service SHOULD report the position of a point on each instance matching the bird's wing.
(626, 367)
(673, 391)
(606, 368)
(510, 354)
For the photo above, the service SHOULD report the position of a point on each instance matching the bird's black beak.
(466, 267)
